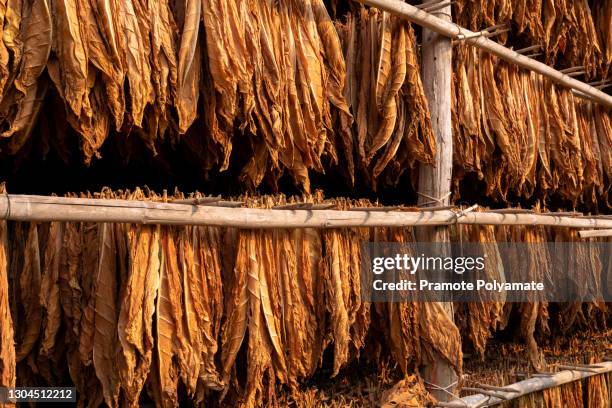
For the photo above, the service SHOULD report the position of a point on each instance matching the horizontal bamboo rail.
(529, 386)
(451, 30)
(42, 208)
(596, 233)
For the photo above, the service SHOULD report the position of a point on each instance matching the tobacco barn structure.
(188, 187)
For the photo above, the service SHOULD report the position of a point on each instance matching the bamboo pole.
(42, 208)
(435, 180)
(595, 233)
(529, 386)
(453, 31)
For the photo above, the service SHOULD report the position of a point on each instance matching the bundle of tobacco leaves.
(525, 137)
(175, 314)
(570, 33)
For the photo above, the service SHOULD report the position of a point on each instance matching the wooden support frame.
(42, 208)
(453, 31)
(435, 180)
(534, 384)
(596, 233)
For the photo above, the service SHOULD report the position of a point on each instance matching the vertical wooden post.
(435, 181)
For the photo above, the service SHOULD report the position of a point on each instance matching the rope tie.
(433, 200)
(455, 218)
(445, 390)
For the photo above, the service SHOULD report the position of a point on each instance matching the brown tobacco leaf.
(547, 124)
(400, 320)
(7, 346)
(598, 391)
(13, 19)
(36, 47)
(29, 287)
(388, 86)
(78, 268)
(227, 55)
(537, 262)
(142, 306)
(4, 57)
(271, 74)
(22, 102)
(106, 341)
(70, 290)
(603, 121)
(255, 265)
(71, 54)
(336, 78)
(168, 319)
(270, 296)
(591, 154)
(265, 355)
(27, 115)
(478, 320)
(134, 30)
(105, 41)
(408, 393)
(297, 263)
(603, 16)
(547, 180)
(188, 92)
(164, 66)
(570, 34)
(384, 59)
(188, 359)
(49, 291)
(105, 98)
(285, 73)
(310, 260)
(137, 306)
(385, 93)
(194, 309)
(236, 309)
(189, 65)
(88, 271)
(211, 258)
(336, 295)
(468, 133)
(446, 340)
(420, 142)
(200, 262)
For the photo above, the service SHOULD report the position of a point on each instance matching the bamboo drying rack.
(596, 233)
(215, 212)
(480, 40)
(231, 214)
(531, 385)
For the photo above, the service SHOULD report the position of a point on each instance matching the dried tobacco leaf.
(29, 282)
(7, 346)
(49, 289)
(137, 306)
(106, 340)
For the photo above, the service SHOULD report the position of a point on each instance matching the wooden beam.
(451, 30)
(43, 208)
(435, 180)
(596, 233)
(529, 386)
